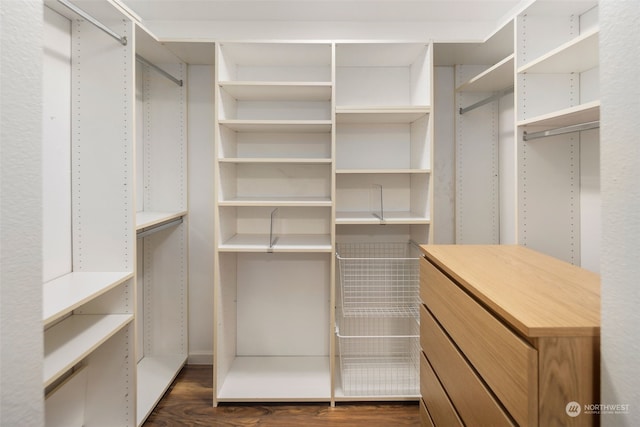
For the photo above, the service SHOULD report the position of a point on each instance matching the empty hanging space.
(377, 320)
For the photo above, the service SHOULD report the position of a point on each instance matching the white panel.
(64, 406)
(538, 35)
(444, 151)
(287, 220)
(590, 200)
(421, 79)
(357, 192)
(201, 208)
(289, 110)
(283, 180)
(590, 85)
(283, 305)
(139, 145)
(56, 146)
(507, 170)
(373, 146)
(545, 93)
(225, 315)
(284, 145)
(140, 315)
(373, 86)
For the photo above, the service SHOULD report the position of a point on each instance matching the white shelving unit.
(558, 92)
(484, 123)
(161, 220)
(88, 291)
(383, 138)
(274, 206)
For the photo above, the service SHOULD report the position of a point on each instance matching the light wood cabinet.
(511, 335)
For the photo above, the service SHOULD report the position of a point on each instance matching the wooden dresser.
(509, 336)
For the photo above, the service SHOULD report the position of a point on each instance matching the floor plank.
(188, 402)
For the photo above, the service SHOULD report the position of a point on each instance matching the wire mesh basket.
(380, 278)
(383, 360)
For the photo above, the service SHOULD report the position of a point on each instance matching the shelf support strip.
(492, 98)
(561, 130)
(94, 21)
(158, 69)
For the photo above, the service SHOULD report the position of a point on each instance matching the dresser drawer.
(473, 402)
(440, 408)
(506, 363)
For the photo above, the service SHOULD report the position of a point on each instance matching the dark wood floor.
(189, 403)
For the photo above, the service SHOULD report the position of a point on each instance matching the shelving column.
(273, 200)
(558, 110)
(88, 294)
(161, 220)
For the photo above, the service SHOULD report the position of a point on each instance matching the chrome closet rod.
(158, 227)
(492, 98)
(158, 69)
(91, 19)
(561, 130)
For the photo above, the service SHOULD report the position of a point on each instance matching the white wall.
(620, 172)
(21, 347)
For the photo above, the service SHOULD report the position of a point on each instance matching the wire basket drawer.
(380, 278)
(379, 365)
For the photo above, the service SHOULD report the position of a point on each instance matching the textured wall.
(21, 349)
(620, 166)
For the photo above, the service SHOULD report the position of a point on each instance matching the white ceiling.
(323, 10)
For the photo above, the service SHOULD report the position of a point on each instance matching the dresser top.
(536, 294)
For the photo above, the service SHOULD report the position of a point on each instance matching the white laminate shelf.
(381, 114)
(383, 171)
(277, 201)
(393, 217)
(583, 113)
(575, 56)
(146, 219)
(155, 375)
(278, 126)
(274, 379)
(283, 243)
(277, 91)
(274, 160)
(73, 339)
(496, 78)
(66, 293)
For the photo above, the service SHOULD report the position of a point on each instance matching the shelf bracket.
(159, 227)
(528, 136)
(158, 69)
(492, 98)
(94, 21)
(272, 239)
(381, 215)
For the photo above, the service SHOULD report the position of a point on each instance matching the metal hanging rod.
(561, 130)
(91, 19)
(492, 98)
(158, 227)
(158, 69)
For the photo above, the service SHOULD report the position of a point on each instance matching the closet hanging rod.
(561, 130)
(159, 227)
(158, 69)
(492, 98)
(94, 21)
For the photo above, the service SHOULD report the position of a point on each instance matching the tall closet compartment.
(383, 204)
(558, 141)
(274, 205)
(161, 221)
(88, 214)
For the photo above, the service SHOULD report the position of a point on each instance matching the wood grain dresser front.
(509, 337)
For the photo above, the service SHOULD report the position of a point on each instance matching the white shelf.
(273, 379)
(73, 339)
(155, 375)
(570, 116)
(64, 294)
(389, 218)
(496, 78)
(278, 91)
(382, 114)
(383, 171)
(148, 219)
(277, 201)
(575, 56)
(285, 243)
(274, 160)
(278, 126)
